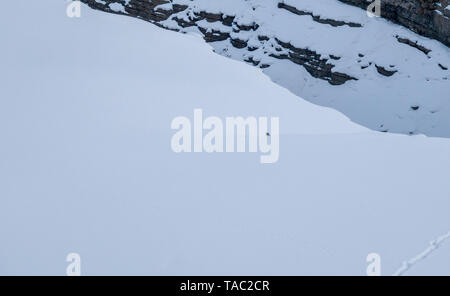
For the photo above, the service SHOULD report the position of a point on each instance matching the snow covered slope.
(86, 164)
(381, 75)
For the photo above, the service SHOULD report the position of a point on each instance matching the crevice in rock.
(385, 72)
(443, 67)
(317, 66)
(318, 19)
(413, 44)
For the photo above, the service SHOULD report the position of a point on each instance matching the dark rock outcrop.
(429, 18)
(317, 66)
(334, 23)
(147, 10)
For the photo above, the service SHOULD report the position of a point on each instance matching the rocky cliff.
(430, 18)
(380, 74)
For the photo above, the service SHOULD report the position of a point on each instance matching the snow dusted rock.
(379, 74)
(426, 17)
